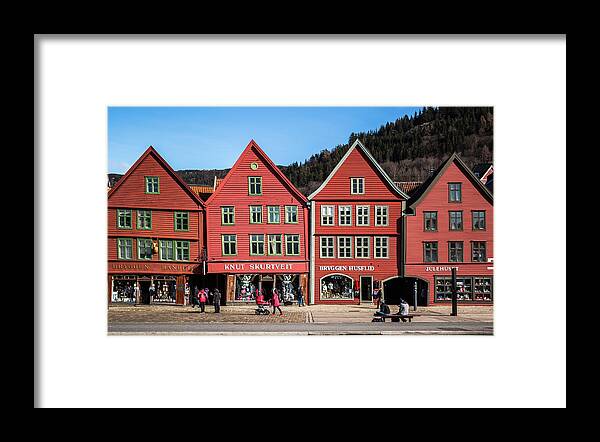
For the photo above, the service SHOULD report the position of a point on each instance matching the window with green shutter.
(182, 221)
(152, 184)
(144, 219)
(124, 218)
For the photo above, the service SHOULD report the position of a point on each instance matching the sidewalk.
(318, 314)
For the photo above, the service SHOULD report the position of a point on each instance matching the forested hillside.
(407, 149)
(410, 147)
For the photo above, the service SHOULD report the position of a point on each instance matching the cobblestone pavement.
(319, 314)
(243, 314)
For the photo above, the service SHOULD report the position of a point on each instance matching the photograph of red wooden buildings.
(357, 234)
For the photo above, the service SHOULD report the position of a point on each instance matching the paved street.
(312, 320)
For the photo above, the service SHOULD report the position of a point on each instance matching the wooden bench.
(393, 317)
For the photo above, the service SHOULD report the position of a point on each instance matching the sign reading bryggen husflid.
(155, 234)
(257, 231)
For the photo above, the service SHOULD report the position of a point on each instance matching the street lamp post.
(454, 294)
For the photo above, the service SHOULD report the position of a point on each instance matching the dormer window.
(357, 186)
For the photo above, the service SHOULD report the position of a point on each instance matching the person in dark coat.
(217, 300)
(300, 297)
(384, 309)
(195, 301)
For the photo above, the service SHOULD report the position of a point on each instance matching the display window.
(287, 286)
(469, 288)
(246, 287)
(124, 289)
(163, 290)
(335, 287)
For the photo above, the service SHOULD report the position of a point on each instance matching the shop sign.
(258, 267)
(153, 267)
(346, 268)
(440, 268)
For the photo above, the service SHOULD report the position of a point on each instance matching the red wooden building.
(257, 230)
(155, 234)
(449, 223)
(356, 216)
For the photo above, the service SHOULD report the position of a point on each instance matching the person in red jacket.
(275, 301)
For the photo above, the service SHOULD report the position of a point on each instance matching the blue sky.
(214, 137)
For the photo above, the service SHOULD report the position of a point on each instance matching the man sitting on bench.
(403, 309)
(383, 309)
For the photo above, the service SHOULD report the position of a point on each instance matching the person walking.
(217, 300)
(202, 300)
(276, 302)
(195, 297)
(300, 297)
(377, 297)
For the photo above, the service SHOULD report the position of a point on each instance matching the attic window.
(357, 186)
(152, 184)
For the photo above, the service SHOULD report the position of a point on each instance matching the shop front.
(344, 284)
(151, 283)
(244, 280)
(475, 282)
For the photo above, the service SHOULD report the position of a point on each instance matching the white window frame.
(387, 216)
(332, 215)
(349, 247)
(332, 238)
(367, 246)
(368, 215)
(358, 180)
(387, 247)
(340, 215)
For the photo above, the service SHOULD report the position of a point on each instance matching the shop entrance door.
(366, 288)
(145, 292)
(267, 288)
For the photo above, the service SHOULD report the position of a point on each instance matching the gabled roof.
(427, 185)
(165, 165)
(358, 145)
(274, 169)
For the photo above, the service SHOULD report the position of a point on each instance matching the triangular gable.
(264, 157)
(434, 178)
(378, 169)
(161, 161)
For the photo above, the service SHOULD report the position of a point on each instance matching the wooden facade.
(357, 232)
(356, 216)
(155, 234)
(434, 247)
(257, 230)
